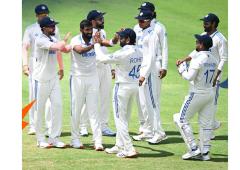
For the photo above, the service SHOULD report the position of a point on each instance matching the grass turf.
(181, 19)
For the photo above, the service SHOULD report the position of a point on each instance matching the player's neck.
(212, 31)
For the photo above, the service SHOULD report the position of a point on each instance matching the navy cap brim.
(121, 34)
(204, 19)
(101, 15)
(198, 37)
(140, 18)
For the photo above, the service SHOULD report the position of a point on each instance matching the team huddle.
(138, 68)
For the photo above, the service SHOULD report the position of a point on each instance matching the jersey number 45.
(134, 73)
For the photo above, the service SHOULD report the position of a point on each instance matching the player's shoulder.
(136, 28)
(77, 38)
(220, 36)
(32, 27)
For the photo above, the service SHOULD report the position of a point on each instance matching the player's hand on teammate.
(141, 80)
(162, 73)
(61, 74)
(113, 73)
(25, 70)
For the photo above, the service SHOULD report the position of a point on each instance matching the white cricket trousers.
(105, 86)
(50, 89)
(203, 104)
(149, 100)
(85, 90)
(123, 95)
(31, 96)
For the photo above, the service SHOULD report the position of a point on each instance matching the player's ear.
(128, 40)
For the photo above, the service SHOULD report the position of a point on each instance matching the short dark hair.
(85, 23)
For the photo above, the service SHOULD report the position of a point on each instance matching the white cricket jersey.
(162, 50)
(103, 48)
(46, 59)
(82, 64)
(32, 32)
(128, 62)
(148, 44)
(219, 48)
(205, 64)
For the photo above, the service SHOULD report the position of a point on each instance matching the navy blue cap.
(144, 14)
(205, 39)
(148, 6)
(128, 32)
(210, 18)
(94, 14)
(47, 21)
(41, 9)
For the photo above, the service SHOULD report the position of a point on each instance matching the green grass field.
(181, 18)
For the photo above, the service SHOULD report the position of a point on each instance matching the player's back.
(127, 70)
(206, 64)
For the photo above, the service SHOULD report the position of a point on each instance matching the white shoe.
(141, 137)
(124, 154)
(31, 131)
(83, 131)
(43, 145)
(56, 143)
(157, 139)
(114, 150)
(216, 125)
(203, 157)
(98, 147)
(76, 144)
(191, 154)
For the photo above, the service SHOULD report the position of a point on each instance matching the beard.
(52, 33)
(122, 44)
(87, 36)
(207, 29)
(100, 26)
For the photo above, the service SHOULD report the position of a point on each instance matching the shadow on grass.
(63, 134)
(161, 153)
(213, 159)
(221, 137)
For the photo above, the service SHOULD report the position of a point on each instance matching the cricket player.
(219, 50)
(104, 74)
(161, 62)
(200, 99)
(84, 85)
(31, 33)
(47, 82)
(128, 61)
(148, 43)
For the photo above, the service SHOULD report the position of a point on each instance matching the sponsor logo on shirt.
(89, 54)
(51, 52)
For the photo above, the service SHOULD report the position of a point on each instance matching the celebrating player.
(128, 61)
(31, 33)
(104, 75)
(200, 99)
(47, 82)
(219, 50)
(84, 85)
